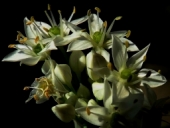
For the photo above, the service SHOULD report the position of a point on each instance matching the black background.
(149, 23)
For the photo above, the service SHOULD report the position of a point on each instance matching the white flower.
(128, 70)
(99, 38)
(102, 116)
(31, 49)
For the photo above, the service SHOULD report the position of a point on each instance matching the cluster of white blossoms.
(113, 95)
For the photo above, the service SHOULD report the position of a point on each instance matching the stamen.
(49, 7)
(103, 34)
(47, 95)
(89, 21)
(74, 11)
(97, 9)
(26, 88)
(105, 24)
(144, 58)
(128, 34)
(18, 37)
(31, 21)
(159, 71)
(49, 18)
(89, 12)
(11, 46)
(36, 39)
(36, 97)
(21, 35)
(110, 66)
(88, 111)
(46, 29)
(53, 19)
(23, 40)
(61, 23)
(118, 18)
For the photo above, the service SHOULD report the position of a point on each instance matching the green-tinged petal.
(119, 34)
(79, 45)
(118, 53)
(77, 62)
(67, 39)
(132, 47)
(98, 90)
(108, 44)
(150, 94)
(77, 124)
(63, 72)
(107, 97)
(105, 54)
(92, 103)
(138, 58)
(71, 98)
(46, 66)
(64, 112)
(94, 23)
(154, 80)
(95, 115)
(79, 20)
(15, 56)
(31, 61)
(104, 71)
(81, 103)
(72, 27)
(50, 46)
(83, 92)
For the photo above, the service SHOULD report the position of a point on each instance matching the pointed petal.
(92, 103)
(15, 56)
(46, 66)
(79, 45)
(154, 80)
(94, 23)
(31, 61)
(105, 54)
(104, 71)
(72, 27)
(98, 91)
(132, 47)
(79, 20)
(119, 34)
(108, 44)
(118, 53)
(50, 46)
(83, 92)
(136, 58)
(107, 98)
(96, 115)
(80, 103)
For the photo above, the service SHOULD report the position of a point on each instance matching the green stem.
(61, 48)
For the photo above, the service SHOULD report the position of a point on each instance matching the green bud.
(97, 36)
(37, 48)
(126, 73)
(55, 30)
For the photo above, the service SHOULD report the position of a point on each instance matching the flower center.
(37, 48)
(55, 30)
(97, 37)
(126, 73)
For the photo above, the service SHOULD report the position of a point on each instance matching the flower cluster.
(109, 92)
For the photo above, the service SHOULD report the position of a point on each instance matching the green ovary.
(126, 73)
(97, 36)
(37, 48)
(55, 30)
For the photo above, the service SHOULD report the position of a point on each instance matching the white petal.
(107, 98)
(79, 45)
(92, 103)
(119, 34)
(108, 44)
(79, 20)
(50, 46)
(154, 80)
(132, 47)
(46, 66)
(15, 56)
(150, 94)
(104, 71)
(64, 112)
(80, 103)
(105, 54)
(83, 92)
(63, 72)
(72, 27)
(96, 116)
(31, 61)
(98, 90)
(94, 23)
(138, 57)
(118, 53)
(77, 124)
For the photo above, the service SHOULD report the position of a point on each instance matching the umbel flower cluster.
(109, 90)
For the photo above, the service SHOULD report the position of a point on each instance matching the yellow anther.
(144, 58)
(89, 12)
(36, 97)
(127, 44)
(49, 7)
(23, 40)
(46, 29)
(26, 88)
(11, 46)
(110, 66)
(28, 23)
(36, 39)
(105, 24)
(97, 9)
(37, 79)
(88, 111)
(159, 71)
(74, 9)
(118, 18)
(59, 11)
(128, 33)
(31, 21)
(18, 37)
